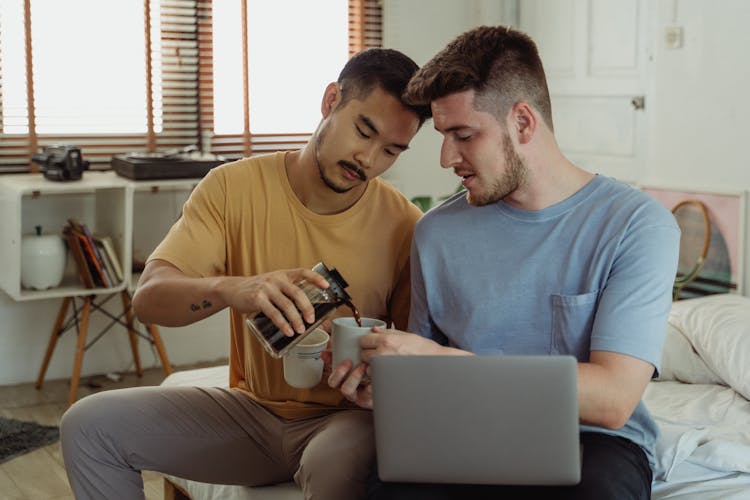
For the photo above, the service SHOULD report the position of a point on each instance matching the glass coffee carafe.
(324, 302)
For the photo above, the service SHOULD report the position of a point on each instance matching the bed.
(700, 402)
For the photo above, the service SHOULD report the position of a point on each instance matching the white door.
(595, 54)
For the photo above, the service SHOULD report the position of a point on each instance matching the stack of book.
(95, 256)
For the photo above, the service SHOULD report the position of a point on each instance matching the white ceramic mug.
(345, 336)
(303, 367)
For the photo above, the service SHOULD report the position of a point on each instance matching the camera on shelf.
(61, 162)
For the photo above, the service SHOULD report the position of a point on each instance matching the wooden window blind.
(179, 88)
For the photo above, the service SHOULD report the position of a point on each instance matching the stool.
(80, 319)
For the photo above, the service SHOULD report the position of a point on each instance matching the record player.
(174, 164)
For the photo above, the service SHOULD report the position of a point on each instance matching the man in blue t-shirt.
(537, 256)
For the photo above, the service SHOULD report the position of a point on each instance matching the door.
(595, 54)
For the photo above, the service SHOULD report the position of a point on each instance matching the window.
(73, 97)
(96, 86)
(12, 84)
(286, 78)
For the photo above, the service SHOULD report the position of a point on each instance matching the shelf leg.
(83, 327)
(154, 331)
(53, 340)
(127, 307)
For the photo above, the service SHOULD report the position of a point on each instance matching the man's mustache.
(350, 166)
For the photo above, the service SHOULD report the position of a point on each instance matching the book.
(96, 262)
(96, 270)
(71, 238)
(109, 250)
(108, 267)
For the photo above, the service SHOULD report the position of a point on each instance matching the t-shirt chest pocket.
(572, 321)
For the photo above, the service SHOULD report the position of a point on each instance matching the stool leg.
(127, 307)
(53, 340)
(83, 327)
(154, 331)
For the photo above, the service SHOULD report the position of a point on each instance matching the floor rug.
(17, 437)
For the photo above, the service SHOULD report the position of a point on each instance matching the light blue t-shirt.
(593, 272)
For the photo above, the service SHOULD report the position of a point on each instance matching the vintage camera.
(61, 162)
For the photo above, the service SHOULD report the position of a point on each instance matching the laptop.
(506, 420)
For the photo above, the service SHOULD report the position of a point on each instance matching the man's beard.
(326, 180)
(514, 177)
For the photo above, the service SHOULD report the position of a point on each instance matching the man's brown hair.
(500, 64)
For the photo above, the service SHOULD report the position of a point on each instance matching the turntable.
(174, 164)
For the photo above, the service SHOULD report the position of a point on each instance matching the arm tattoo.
(205, 304)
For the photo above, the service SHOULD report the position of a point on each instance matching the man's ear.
(524, 121)
(331, 99)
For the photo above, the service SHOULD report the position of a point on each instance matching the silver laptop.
(477, 419)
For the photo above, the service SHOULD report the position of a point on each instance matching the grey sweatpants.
(210, 435)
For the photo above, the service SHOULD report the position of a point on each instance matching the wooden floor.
(40, 474)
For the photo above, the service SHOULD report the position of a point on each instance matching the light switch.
(673, 37)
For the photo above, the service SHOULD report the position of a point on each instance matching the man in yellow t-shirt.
(251, 230)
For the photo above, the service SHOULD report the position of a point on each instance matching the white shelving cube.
(101, 200)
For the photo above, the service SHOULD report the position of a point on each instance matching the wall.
(700, 96)
(27, 326)
(700, 102)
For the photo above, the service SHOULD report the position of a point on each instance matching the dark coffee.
(355, 312)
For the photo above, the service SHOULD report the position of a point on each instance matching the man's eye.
(463, 138)
(361, 133)
(389, 152)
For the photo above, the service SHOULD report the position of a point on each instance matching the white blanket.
(705, 431)
(700, 401)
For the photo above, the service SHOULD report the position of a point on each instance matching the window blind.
(179, 86)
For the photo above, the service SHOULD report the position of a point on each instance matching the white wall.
(26, 328)
(701, 100)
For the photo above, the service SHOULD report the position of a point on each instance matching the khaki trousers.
(211, 435)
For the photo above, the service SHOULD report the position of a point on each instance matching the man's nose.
(367, 155)
(449, 155)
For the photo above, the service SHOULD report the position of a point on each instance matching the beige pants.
(210, 435)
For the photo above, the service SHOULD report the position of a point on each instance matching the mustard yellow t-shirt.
(243, 219)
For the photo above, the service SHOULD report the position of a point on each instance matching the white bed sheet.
(703, 451)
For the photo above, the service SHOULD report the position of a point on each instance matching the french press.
(324, 302)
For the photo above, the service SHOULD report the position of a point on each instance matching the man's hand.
(355, 384)
(397, 342)
(276, 295)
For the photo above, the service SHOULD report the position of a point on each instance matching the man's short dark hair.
(500, 64)
(387, 69)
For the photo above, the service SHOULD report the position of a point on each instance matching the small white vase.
(43, 259)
